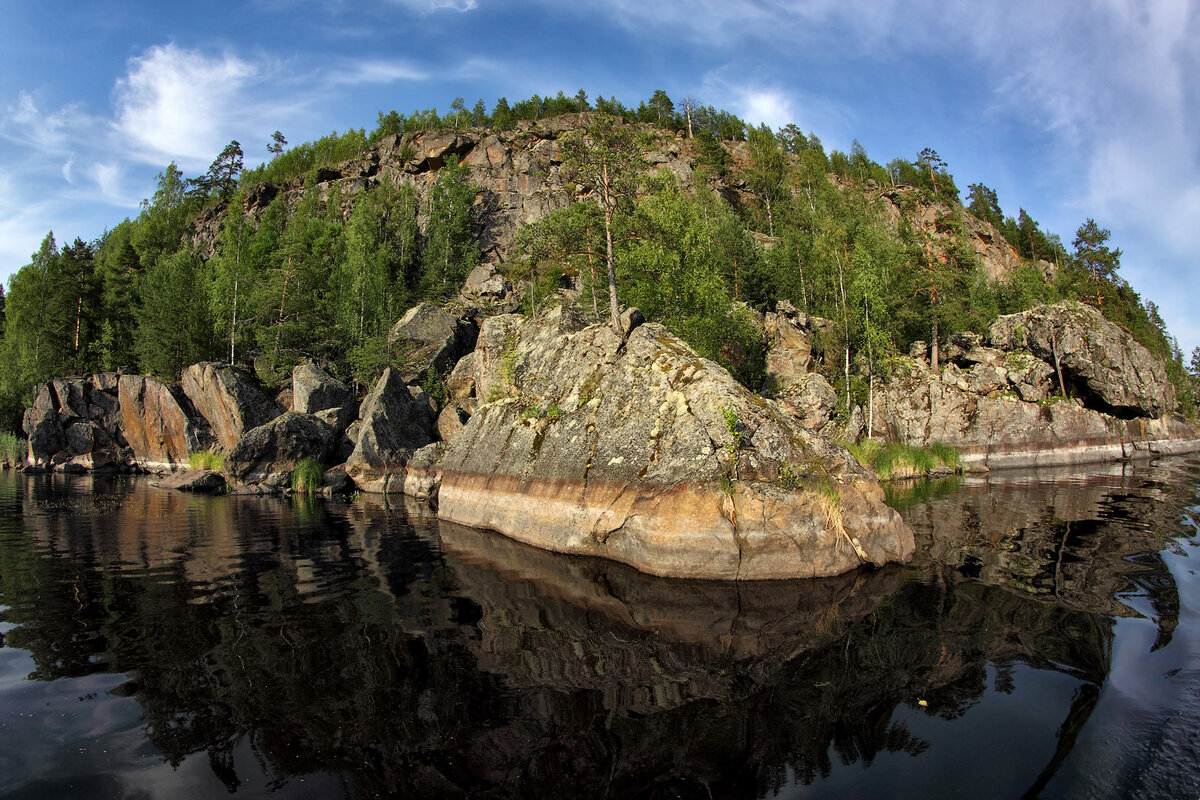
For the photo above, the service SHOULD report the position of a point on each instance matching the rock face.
(643, 452)
(431, 340)
(315, 390)
(227, 399)
(397, 420)
(268, 454)
(1099, 361)
(159, 429)
(1000, 428)
(791, 364)
(73, 425)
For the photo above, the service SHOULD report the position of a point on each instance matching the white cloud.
(108, 179)
(177, 104)
(430, 6)
(374, 71)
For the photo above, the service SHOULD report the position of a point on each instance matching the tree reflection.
(423, 659)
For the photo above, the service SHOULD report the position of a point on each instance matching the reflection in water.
(367, 649)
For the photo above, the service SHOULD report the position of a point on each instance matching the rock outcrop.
(640, 451)
(431, 340)
(157, 424)
(73, 425)
(314, 390)
(397, 420)
(268, 454)
(227, 399)
(1100, 362)
(1002, 405)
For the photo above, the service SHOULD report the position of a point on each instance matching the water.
(1045, 642)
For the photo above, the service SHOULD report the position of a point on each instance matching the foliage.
(206, 459)
(308, 476)
(12, 448)
(896, 461)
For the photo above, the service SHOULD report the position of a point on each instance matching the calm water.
(1046, 642)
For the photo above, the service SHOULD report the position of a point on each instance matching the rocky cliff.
(1053, 385)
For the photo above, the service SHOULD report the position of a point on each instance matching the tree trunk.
(614, 307)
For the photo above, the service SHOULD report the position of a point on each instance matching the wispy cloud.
(176, 103)
(374, 71)
(430, 6)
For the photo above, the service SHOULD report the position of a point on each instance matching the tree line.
(768, 216)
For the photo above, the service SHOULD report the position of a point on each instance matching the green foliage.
(206, 459)
(434, 385)
(12, 448)
(789, 478)
(451, 251)
(894, 461)
(304, 159)
(174, 326)
(307, 477)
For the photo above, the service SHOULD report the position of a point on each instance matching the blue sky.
(1069, 110)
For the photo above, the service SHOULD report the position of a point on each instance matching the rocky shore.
(629, 446)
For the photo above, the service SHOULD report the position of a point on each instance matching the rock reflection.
(417, 658)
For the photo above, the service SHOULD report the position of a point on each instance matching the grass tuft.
(206, 459)
(308, 476)
(12, 448)
(895, 461)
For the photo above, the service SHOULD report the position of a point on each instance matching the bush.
(308, 476)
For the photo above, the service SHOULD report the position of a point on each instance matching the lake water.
(1044, 642)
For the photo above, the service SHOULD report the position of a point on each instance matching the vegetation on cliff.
(228, 265)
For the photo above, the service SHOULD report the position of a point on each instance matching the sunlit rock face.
(638, 450)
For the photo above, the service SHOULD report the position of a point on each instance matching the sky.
(1068, 110)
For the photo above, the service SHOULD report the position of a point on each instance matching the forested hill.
(704, 220)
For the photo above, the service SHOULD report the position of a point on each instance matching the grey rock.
(1109, 370)
(634, 463)
(395, 423)
(430, 339)
(315, 390)
(228, 399)
(274, 448)
(201, 481)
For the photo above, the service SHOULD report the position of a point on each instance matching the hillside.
(315, 256)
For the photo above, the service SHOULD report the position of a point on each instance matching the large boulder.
(1101, 363)
(643, 452)
(73, 424)
(268, 454)
(431, 339)
(397, 420)
(314, 390)
(227, 399)
(155, 423)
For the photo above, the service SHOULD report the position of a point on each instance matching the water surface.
(1044, 642)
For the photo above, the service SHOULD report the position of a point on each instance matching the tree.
(174, 327)
(985, 205)
(277, 143)
(768, 171)
(502, 115)
(606, 161)
(450, 248)
(1195, 362)
(1094, 256)
(662, 106)
(222, 175)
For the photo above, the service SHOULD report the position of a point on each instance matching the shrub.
(308, 476)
